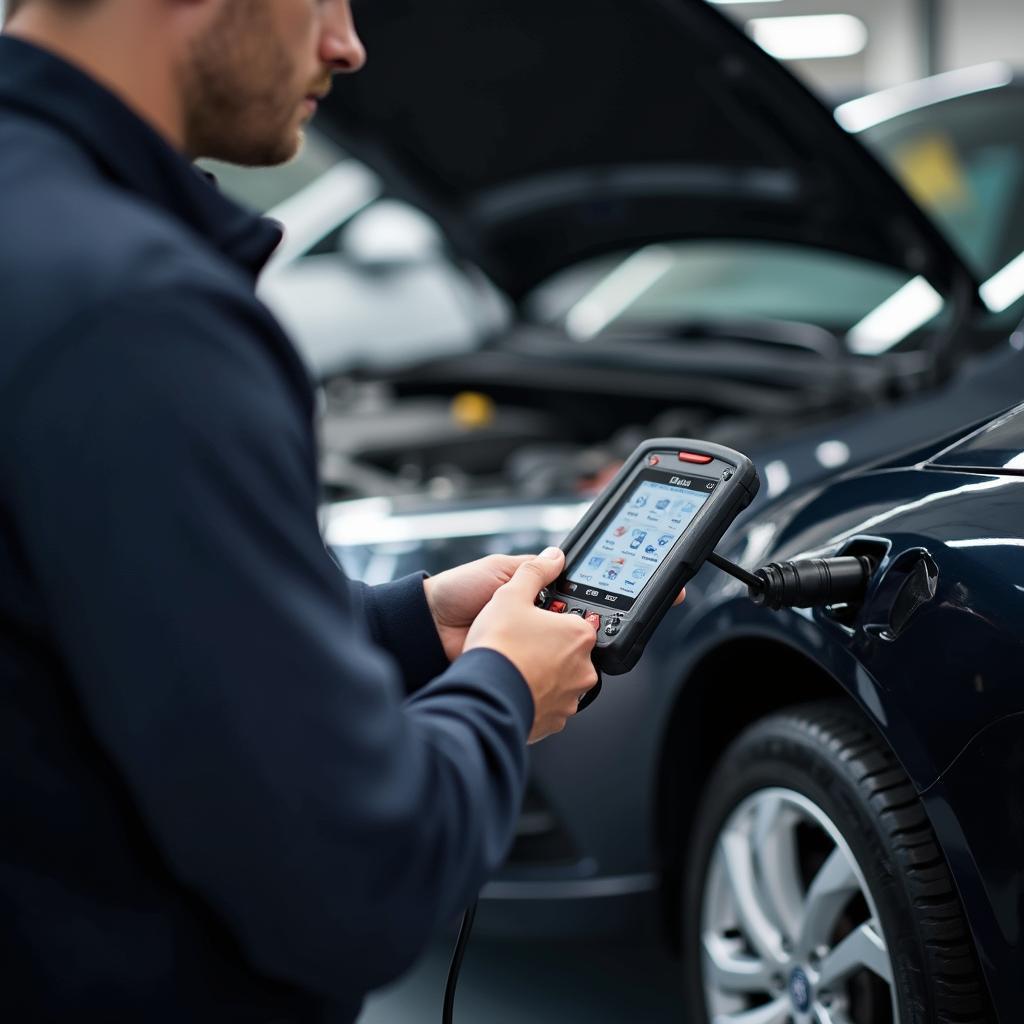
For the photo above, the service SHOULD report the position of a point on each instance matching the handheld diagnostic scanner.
(644, 537)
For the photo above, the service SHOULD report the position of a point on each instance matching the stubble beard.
(237, 86)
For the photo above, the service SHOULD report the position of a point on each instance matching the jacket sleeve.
(400, 621)
(165, 495)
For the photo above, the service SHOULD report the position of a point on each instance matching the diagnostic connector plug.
(808, 583)
(812, 582)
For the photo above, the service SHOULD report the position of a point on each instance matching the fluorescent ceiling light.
(1005, 287)
(809, 37)
(868, 111)
(895, 319)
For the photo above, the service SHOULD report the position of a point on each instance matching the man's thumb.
(540, 571)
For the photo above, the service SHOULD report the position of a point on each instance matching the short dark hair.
(11, 7)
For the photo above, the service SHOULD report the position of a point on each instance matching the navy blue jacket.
(234, 785)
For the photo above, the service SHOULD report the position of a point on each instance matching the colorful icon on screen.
(665, 538)
(619, 530)
(662, 505)
(596, 561)
(638, 538)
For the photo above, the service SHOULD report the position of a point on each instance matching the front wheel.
(817, 892)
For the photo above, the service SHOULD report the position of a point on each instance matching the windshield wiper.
(793, 334)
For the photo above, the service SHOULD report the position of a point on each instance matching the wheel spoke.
(728, 969)
(830, 891)
(777, 1012)
(778, 859)
(737, 855)
(828, 1015)
(862, 948)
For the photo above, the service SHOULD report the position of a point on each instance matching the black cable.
(456, 965)
(736, 571)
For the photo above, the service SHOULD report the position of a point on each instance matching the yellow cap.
(472, 410)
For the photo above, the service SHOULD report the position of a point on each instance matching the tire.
(817, 892)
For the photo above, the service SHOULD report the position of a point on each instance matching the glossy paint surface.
(996, 445)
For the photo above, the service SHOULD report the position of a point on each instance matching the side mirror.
(390, 235)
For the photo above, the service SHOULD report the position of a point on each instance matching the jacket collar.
(129, 151)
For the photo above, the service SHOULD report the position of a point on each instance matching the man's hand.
(456, 597)
(551, 651)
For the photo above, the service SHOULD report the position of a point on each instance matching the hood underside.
(542, 132)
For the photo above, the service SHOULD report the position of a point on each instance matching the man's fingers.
(504, 566)
(681, 598)
(538, 572)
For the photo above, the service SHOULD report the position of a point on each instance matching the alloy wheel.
(790, 933)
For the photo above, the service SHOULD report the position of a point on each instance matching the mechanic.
(235, 785)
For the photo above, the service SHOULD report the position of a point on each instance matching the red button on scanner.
(700, 460)
(557, 606)
(653, 460)
(593, 618)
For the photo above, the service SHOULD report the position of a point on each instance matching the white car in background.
(360, 281)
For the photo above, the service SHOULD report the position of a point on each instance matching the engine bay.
(535, 414)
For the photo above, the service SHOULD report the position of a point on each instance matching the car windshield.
(684, 282)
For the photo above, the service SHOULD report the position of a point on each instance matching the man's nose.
(340, 45)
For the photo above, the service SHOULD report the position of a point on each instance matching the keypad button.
(542, 598)
(594, 619)
(557, 606)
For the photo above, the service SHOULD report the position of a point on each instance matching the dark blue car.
(820, 809)
(853, 849)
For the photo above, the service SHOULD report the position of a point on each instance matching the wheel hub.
(800, 991)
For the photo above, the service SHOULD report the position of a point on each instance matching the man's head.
(231, 79)
(253, 74)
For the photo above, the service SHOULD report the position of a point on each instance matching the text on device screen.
(637, 538)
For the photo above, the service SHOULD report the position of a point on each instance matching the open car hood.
(542, 132)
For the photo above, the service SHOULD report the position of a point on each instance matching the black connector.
(810, 583)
